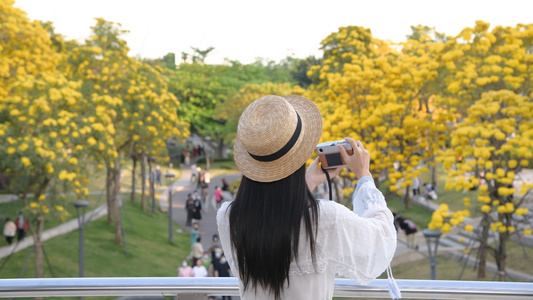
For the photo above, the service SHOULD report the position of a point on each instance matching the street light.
(81, 204)
(432, 240)
(170, 227)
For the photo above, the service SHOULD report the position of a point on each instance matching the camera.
(329, 155)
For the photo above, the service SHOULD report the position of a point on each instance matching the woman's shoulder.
(223, 212)
(330, 207)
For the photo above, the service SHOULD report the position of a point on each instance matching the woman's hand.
(315, 176)
(359, 161)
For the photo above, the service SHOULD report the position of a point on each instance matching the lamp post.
(81, 204)
(432, 240)
(170, 227)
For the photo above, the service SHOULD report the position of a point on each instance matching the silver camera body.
(329, 154)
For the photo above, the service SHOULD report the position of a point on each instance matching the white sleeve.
(224, 235)
(364, 241)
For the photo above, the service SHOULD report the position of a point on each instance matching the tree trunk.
(483, 247)
(134, 158)
(219, 151)
(434, 174)
(407, 198)
(501, 254)
(116, 204)
(143, 182)
(39, 266)
(109, 195)
(151, 182)
(36, 233)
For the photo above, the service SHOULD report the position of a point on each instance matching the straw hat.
(275, 136)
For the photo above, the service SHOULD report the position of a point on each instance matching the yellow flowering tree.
(487, 150)
(37, 119)
(369, 91)
(480, 60)
(444, 220)
(130, 107)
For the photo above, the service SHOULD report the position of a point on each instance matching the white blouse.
(358, 245)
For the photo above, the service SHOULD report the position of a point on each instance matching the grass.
(516, 259)
(11, 209)
(149, 252)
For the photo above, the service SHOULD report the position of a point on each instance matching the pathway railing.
(200, 288)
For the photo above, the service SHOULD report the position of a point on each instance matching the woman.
(197, 213)
(279, 240)
(218, 196)
(185, 270)
(199, 270)
(189, 208)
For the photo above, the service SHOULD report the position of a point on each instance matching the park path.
(182, 188)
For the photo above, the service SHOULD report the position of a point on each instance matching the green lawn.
(149, 252)
(516, 258)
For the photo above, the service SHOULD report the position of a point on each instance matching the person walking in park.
(189, 208)
(205, 198)
(222, 269)
(218, 196)
(416, 186)
(200, 181)
(197, 214)
(22, 225)
(197, 252)
(199, 270)
(185, 270)
(158, 174)
(409, 228)
(9, 230)
(195, 233)
(304, 242)
(226, 195)
(194, 172)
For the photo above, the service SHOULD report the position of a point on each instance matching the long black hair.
(265, 223)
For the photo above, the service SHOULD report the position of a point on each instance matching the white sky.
(245, 29)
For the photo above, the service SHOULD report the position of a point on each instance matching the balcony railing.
(200, 288)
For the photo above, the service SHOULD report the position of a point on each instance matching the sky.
(245, 30)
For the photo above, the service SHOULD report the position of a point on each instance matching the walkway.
(181, 189)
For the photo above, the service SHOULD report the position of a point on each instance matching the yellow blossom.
(42, 197)
(485, 208)
(469, 228)
(25, 161)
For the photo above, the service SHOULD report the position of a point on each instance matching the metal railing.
(199, 288)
